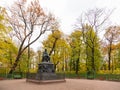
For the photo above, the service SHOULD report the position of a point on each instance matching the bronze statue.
(45, 57)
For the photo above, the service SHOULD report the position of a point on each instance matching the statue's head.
(45, 50)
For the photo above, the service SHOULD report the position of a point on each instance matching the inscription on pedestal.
(46, 67)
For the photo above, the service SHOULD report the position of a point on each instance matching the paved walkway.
(70, 84)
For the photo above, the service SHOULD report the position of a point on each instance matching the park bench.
(90, 74)
(17, 75)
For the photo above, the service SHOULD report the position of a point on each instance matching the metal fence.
(109, 77)
(15, 75)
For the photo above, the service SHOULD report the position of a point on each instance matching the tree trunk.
(109, 58)
(93, 60)
(53, 47)
(28, 63)
(77, 66)
(86, 58)
(15, 64)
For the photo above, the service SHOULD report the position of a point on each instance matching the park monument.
(46, 70)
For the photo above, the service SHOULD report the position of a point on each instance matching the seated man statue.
(45, 57)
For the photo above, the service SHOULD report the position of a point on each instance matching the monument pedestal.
(46, 71)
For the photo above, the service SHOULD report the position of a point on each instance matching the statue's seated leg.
(48, 59)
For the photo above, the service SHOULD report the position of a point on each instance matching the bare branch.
(28, 19)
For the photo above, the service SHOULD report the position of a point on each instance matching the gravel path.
(70, 84)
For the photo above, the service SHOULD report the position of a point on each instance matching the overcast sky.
(69, 10)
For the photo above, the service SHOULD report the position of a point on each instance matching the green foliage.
(77, 49)
(26, 63)
(117, 64)
(23, 64)
(8, 53)
(93, 54)
(8, 49)
(61, 50)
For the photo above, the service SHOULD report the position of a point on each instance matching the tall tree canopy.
(28, 22)
(7, 47)
(91, 23)
(112, 37)
(58, 49)
(77, 49)
(93, 54)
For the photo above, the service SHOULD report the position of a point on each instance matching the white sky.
(69, 10)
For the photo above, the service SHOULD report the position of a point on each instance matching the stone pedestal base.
(46, 67)
(46, 71)
(46, 76)
(45, 81)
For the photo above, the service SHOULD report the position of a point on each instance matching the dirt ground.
(70, 84)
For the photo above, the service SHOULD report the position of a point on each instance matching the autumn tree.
(57, 48)
(76, 48)
(112, 37)
(51, 43)
(28, 22)
(92, 21)
(118, 57)
(93, 54)
(24, 65)
(3, 34)
(7, 47)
